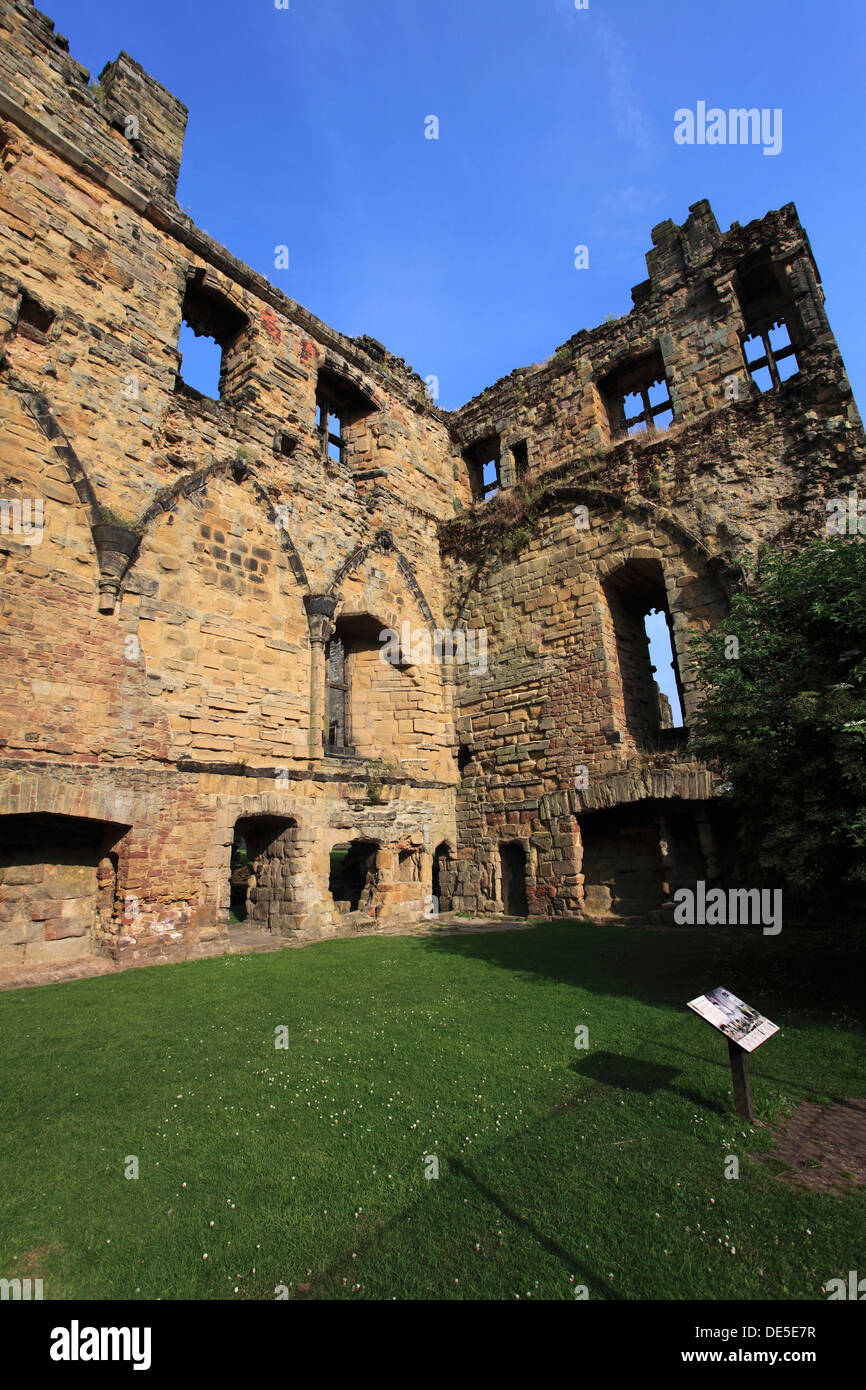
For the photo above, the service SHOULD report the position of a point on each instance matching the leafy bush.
(784, 719)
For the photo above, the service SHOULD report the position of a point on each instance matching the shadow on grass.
(568, 1260)
(634, 1074)
(805, 971)
(378, 1241)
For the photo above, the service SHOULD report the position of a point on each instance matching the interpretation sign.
(738, 1021)
(744, 1028)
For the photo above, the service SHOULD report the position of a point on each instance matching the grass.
(305, 1167)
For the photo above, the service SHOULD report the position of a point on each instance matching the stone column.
(320, 612)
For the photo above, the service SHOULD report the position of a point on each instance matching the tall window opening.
(329, 427)
(661, 654)
(483, 460)
(338, 694)
(212, 343)
(648, 692)
(770, 334)
(357, 681)
(340, 410)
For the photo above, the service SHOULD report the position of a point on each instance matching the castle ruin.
(196, 722)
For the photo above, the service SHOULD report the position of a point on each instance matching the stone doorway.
(512, 866)
(444, 876)
(263, 873)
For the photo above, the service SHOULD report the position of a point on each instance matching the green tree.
(784, 720)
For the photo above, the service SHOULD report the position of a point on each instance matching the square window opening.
(762, 379)
(638, 397)
(788, 367)
(779, 336)
(34, 316)
(753, 348)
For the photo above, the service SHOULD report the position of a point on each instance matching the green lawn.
(306, 1166)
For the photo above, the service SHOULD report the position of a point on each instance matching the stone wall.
(178, 572)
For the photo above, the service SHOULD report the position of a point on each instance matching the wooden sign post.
(745, 1029)
(740, 1078)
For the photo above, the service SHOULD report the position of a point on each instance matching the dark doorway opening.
(512, 862)
(622, 860)
(444, 876)
(352, 874)
(262, 868)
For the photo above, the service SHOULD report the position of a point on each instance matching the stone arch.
(649, 514)
(684, 781)
(197, 483)
(44, 793)
(352, 378)
(383, 543)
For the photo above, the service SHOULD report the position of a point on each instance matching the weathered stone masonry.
(193, 591)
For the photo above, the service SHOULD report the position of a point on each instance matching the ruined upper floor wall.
(696, 330)
(125, 135)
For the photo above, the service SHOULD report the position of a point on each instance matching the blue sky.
(556, 128)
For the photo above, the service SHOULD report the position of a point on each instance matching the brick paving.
(824, 1146)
